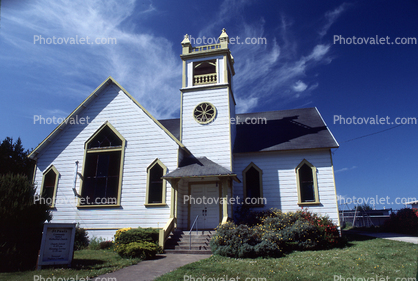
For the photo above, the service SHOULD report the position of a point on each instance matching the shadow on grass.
(352, 236)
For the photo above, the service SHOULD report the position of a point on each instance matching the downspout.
(75, 179)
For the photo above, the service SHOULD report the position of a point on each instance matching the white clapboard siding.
(279, 179)
(210, 140)
(145, 141)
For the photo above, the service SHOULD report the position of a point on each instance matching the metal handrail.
(190, 232)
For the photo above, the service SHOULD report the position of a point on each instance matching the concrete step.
(179, 242)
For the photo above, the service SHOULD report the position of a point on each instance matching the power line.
(375, 133)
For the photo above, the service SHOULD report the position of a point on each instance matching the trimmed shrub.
(81, 239)
(272, 233)
(143, 250)
(137, 242)
(138, 234)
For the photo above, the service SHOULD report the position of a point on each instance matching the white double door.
(204, 203)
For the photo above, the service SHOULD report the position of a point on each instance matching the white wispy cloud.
(299, 86)
(143, 63)
(267, 73)
(331, 17)
(345, 169)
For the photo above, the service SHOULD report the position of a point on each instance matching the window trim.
(244, 182)
(315, 183)
(101, 150)
(163, 201)
(57, 174)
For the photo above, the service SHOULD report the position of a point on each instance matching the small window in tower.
(204, 72)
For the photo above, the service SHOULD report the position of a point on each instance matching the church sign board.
(57, 244)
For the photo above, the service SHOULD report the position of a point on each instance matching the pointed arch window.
(156, 186)
(102, 170)
(253, 184)
(49, 185)
(307, 183)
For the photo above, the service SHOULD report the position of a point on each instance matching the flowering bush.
(273, 232)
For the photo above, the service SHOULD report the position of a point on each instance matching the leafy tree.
(14, 159)
(21, 223)
(21, 214)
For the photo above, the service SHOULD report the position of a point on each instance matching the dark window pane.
(105, 138)
(49, 186)
(306, 183)
(252, 183)
(155, 192)
(205, 67)
(101, 178)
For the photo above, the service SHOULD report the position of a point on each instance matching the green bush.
(21, 223)
(137, 242)
(81, 240)
(404, 221)
(94, 243)
(138, 234)
(272, 233)
(144, 250)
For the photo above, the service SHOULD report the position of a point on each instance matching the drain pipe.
(75, 179)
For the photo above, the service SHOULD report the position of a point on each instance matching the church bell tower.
(207, 117)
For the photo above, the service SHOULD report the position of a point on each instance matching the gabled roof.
(191, 167)
(283, 130)
(84, 104)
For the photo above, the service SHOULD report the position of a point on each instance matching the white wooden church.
(124, 168)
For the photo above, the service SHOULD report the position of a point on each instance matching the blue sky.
(300, 66)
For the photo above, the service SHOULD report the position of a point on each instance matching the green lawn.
(363, 258)
(86, 263)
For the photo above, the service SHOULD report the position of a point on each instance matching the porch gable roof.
(192, 167)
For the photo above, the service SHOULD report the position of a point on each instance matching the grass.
(363, 258)
(86, 263)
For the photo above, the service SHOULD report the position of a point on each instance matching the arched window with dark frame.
(50, 185)
(103, 161)
(307, 183)
(253, 184)
(156, 186)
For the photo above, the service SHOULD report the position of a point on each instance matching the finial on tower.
(224, 39)
(185, 40)
(223, 36)
(187, 45)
